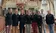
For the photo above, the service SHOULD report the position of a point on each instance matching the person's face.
(38, 12)
(49, 12)
(33, 13)
(16, 11)
(22, 12)
(42, 11)
(27, 12)
(10, 11)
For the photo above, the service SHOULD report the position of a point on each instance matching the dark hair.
(9, 8)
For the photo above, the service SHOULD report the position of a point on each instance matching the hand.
(53, 24)
(40, 26)
(24, 25)
(18, 27)
(7, 26)
(11, 27)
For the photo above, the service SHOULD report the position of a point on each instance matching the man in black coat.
(22, 21)
(8, 19)
(39, 21)
(50, 21)
(15, 19)
(28, 21)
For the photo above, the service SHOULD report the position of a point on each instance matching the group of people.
(26, 20)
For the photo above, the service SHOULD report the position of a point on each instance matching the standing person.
(50, 21)
(22, 21)
(15, 18)
(39, 21)
(8, 21)
(34, 22)
(43, 20)
(28, 21)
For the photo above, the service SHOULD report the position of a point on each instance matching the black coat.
(28, 19)
(8, 19)
(22, 19)
(15, 19)
(34, 18)
(39, 20)
(49, 19)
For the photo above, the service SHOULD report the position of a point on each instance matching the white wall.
(55, 7)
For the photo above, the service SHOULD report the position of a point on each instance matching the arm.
(6, 17)
(41, 19)
(25, 19)
(53, 18)
(46, 18)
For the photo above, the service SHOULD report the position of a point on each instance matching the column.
(1, 11)
(51, 6)
(39, 4)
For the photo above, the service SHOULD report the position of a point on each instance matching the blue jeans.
(44, 27)
(21, 28)
(51, 28)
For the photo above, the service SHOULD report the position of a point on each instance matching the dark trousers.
(22, 28)
(40, 28)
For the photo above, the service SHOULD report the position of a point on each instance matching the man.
(50, 21)
(28, 21)
(39, 21)
(22, 21)
(43, 20)
(8, 21)
(15, 18)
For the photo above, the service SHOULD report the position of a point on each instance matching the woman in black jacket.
(8, 22)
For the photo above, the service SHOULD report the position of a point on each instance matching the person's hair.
(9, 8)
(16, 8)
(37, 11)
